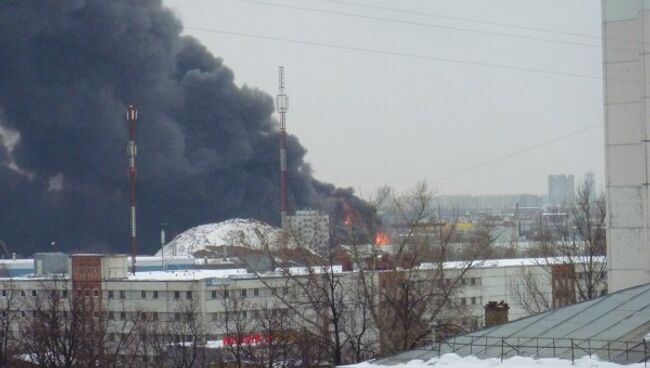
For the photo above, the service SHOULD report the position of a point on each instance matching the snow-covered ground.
(237, 232)
(454, 361)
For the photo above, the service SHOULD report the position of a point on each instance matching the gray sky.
(370, 119)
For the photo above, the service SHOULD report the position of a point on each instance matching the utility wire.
(516, 153)
(477, 21)
(431, 25)
(372, 50)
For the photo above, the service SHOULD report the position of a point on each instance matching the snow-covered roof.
(514, 262)
(238, 232)
(186, 275)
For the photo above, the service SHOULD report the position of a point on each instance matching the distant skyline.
(371, 119)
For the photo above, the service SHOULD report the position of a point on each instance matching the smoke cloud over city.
(207, 148)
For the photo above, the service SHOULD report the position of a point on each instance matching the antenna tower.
(132, 151)
(282, 105)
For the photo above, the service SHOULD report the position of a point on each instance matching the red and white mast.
(282, 105)
(132, 152)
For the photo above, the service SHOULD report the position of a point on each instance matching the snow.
(455, 361)
(186, 275)
(240, 232)
(512, 262)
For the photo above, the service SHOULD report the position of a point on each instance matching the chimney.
(496, 313)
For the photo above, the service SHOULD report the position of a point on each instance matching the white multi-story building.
(309, 228)
(627, 153)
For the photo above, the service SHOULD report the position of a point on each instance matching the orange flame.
(381, 238)
(347, 220)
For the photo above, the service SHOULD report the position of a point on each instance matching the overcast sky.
(371, 119)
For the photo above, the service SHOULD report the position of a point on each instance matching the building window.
(226, 293)
(256, 292)
(65, 293)
(110, 294)
(473, 300)
(285, 290)
(243, 293)
(214, 294)
(87, 292)
(123, 316)
(143, 316)
(95, 293)
(34, 293)
(122, 294)
(155, 294)
(111, 315)
(188, 295)
(22, 293)
(177, 316)
(154, 316)
(4, 292)
(22, 314)
(177, 294)
(143, 294)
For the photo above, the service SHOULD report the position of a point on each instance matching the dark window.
(256, 292)
(285, 290)
(22, 293)
(155, 294)
(225, 293)
(22, 314)
(122, 316)
(95, 293)
(188, 295)
(177, 294)
(143, 316)
(122, 294)
(4, 292)
(143, 294)
(87, 292)
(33, 292)
(110, 294)
(111, 315)
(177, 316)
(243, 293)
(65, 293)
(214, 294)
(154, 316)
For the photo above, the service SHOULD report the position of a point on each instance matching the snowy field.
(454, 361)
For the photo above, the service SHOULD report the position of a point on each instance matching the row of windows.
(475, 300)
(154, 294)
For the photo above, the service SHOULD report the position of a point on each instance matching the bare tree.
(9, 339)
(572, 247)
(419, 287)
(530, 291)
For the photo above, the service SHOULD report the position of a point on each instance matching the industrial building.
(161, 295)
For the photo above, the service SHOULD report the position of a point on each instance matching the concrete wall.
(626, 26)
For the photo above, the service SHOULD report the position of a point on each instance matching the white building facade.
(626, 29)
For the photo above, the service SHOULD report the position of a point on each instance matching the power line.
(431, 25)
(374, 50)
(492, 23)
(516, 153)
(469, 20)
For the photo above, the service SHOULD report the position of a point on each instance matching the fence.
(622, 352)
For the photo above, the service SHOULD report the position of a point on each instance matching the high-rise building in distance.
(561, 189)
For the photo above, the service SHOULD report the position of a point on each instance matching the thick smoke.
(207, 149)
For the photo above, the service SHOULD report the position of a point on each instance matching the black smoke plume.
(207, 149)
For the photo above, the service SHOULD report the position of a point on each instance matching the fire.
(381, 238)
(347, 220)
